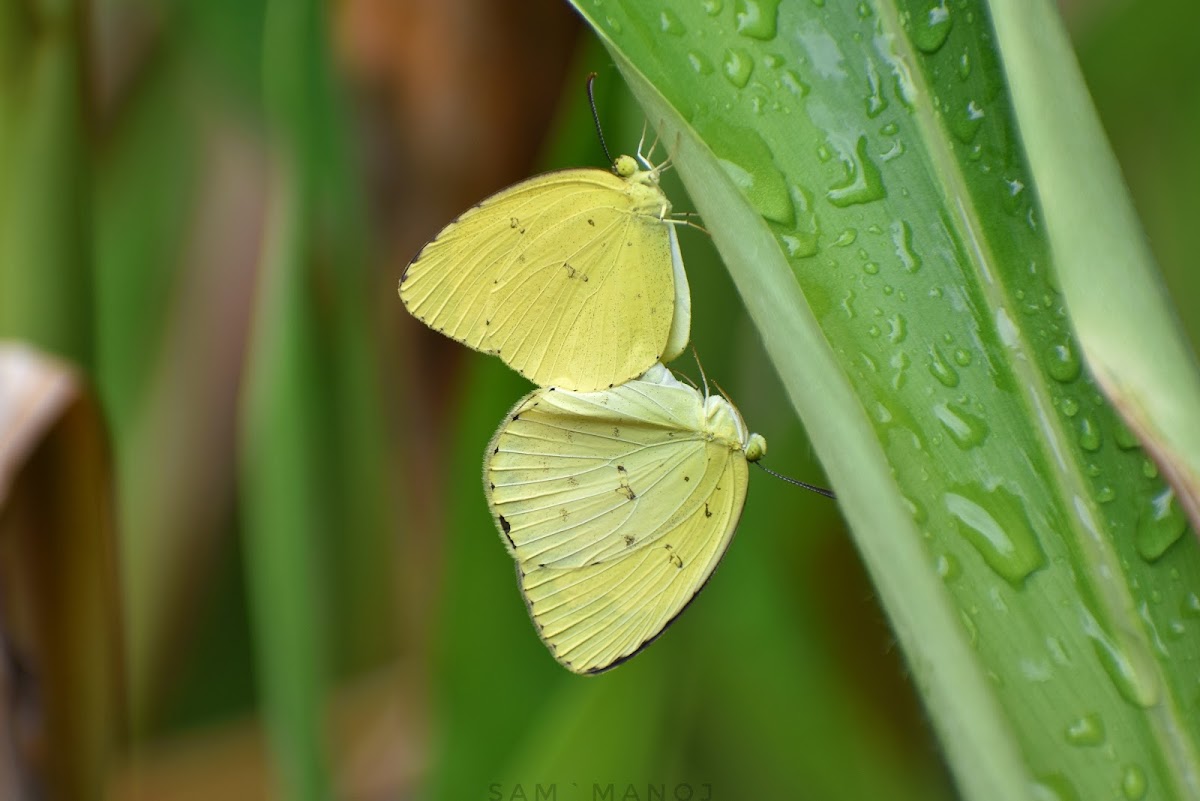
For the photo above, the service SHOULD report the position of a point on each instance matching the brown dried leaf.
(60, 641)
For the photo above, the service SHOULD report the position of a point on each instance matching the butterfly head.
(626, 166)
(756, 448)
(638, 171)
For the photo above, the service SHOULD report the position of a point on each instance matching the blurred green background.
(208, 204)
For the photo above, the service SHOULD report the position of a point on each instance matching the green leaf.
(45, 264)
(311, 451)
(1127, 332)
(862, 173)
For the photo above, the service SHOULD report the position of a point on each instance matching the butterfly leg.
(666, 164)
(644, 158)
(685, 218)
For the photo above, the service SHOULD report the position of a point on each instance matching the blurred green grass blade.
(775, 659)
(284, 500)
(1139, 65)
(583, 745)
(861, 173)
(491, 672)
(144, 199)
(1125, 325)
(365, 494)
(283, 511)
(45, 270)
(144, 196)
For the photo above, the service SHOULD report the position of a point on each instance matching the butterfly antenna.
(703, 377)
(790, 480)
(596, 116)
(721, 389)
(688, 379)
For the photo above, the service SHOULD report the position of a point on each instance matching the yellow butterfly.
(617, 505)
(573, 278)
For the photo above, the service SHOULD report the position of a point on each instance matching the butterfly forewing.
(558, 275)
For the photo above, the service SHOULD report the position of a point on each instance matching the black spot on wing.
(623, 659)
(623, 483)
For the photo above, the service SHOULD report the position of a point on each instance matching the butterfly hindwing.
(597, 615)
(617, 506)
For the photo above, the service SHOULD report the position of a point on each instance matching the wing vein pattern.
(617, 505)
(564, 276)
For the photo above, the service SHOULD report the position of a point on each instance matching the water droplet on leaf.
(737, 66)
(1086, 731)
(997, 526)
(669, 23)
(699, 63)
(946, 375)
(1062, 362)
(1133, 783)
(863, 182)
(1160, 524)
(757, 19)
(966, 429)
(902, 235)
(931, 26)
